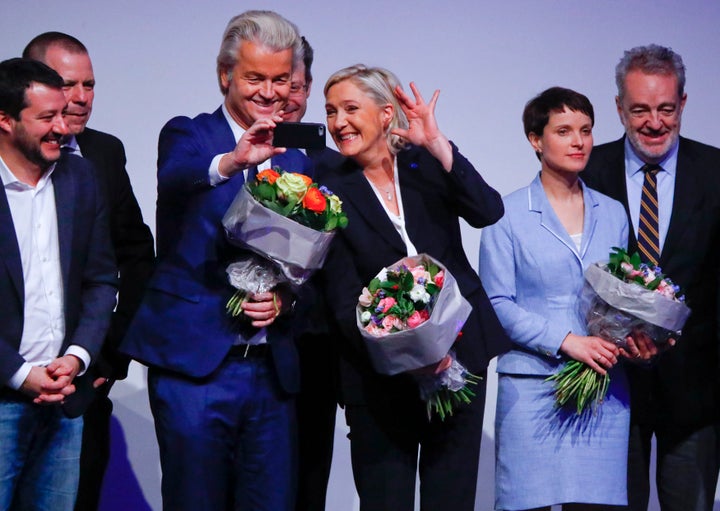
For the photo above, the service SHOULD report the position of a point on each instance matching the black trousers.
(95, 452)
(316, 406)
(686, 469)
(385, 440)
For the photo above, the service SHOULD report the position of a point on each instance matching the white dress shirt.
(216, 178)
(35, 222)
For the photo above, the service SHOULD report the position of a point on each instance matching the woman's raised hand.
(422, 126)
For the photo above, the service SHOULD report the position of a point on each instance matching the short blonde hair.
(379, 84)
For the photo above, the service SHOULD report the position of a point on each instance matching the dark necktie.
(251, 174)
(648, 237)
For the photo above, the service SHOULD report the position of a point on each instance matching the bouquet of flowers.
(287, 222)
(620, 297)
(410, 315)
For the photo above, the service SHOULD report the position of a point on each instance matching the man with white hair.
(221, 393)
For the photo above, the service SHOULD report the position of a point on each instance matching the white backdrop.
(154, 60)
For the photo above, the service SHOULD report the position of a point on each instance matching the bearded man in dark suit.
(57, 288)
(675, 398)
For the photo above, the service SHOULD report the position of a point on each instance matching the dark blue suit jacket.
(182, 324)
(433, 201)
(87, 264)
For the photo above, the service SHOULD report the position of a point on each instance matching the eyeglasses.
(298, 88)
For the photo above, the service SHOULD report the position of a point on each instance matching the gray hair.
(652, 59)
(266, 28)
(379, 84)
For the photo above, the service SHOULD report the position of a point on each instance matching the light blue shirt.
(634, 178)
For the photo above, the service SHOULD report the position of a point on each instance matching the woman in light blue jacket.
(532, 264)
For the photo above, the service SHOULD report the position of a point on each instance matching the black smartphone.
(308, 135)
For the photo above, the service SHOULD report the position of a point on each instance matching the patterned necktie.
(648, 237)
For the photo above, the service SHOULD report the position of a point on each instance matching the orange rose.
(306, 179)
(268, 175)
(314, 200)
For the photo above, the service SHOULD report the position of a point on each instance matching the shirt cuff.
(17, 379)
(80, 353)
(214, 171)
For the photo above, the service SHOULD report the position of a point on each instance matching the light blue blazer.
(533, 273)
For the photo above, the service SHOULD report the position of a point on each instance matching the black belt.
(249, 350)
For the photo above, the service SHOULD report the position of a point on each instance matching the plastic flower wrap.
(288, 221)
(410, 315)
(621, 297)
(626, 295)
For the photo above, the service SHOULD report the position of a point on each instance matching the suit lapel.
(538, 202)
(685, 201)
(65, 198)
(9, 250)
(357, 190)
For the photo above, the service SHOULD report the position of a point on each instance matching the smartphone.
(299, 134)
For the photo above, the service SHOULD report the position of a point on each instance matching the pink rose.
(386, 304)
(375, 330)
(440, 278)
(419, 272)
(416, 319)
(391, 322)
(665, 289)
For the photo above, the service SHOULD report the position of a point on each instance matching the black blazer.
(132, 241)
(433, 202)
(684, 380)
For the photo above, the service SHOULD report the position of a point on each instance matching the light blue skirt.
(547, 456)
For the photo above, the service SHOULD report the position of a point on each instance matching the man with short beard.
(57, 288)
(676, 397)
(132, 243)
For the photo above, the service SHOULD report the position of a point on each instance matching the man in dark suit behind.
(57, 288)
(676, 397)
(317, 400)
(220, 391)
(132, 243)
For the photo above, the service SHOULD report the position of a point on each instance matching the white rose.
(418, 294)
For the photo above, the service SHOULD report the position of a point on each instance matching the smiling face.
(35, 137)
(651, 111)
(259, 84)
(299, 93)
(77, 72)
(566, 142)
(357, 123)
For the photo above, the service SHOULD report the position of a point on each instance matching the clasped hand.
(53, 383)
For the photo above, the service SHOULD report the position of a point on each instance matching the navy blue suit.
(87, 263)
(182, 330)
(386, 416)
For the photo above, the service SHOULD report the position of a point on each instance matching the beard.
(31, 148)
(652, 153)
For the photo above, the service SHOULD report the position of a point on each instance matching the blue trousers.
(227, 442)
(39, 456)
